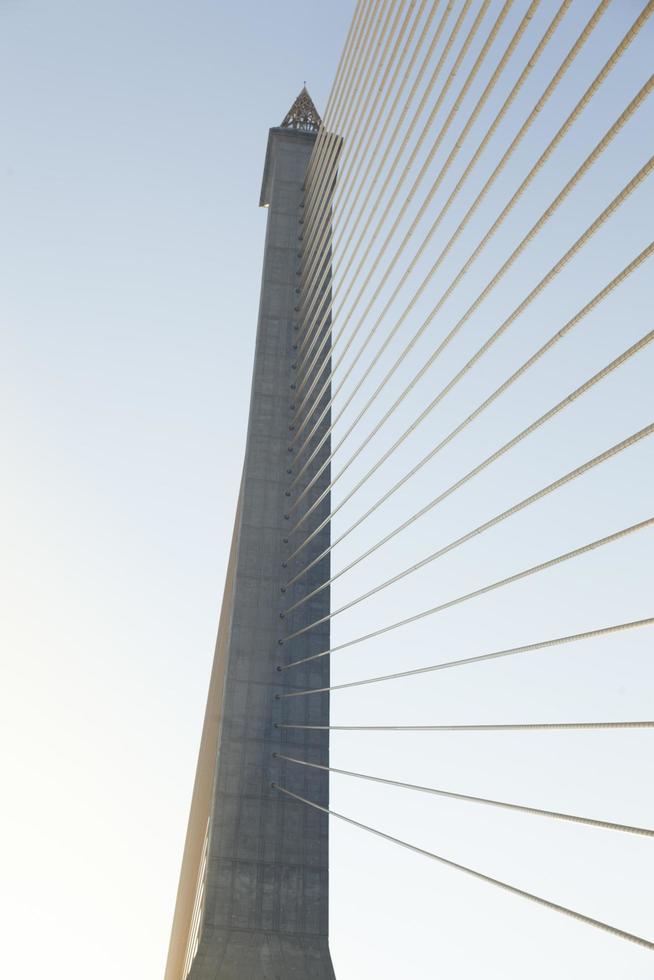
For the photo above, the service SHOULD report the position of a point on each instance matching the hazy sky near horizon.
(130, 250)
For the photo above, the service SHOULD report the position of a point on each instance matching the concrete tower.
(253, 893)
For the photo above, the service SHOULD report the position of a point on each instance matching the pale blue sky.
(130, 250)
(133, 142)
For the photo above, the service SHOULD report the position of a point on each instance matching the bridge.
(439, 589)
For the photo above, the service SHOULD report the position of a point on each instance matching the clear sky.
(130, 250)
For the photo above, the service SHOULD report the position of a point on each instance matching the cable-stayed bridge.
(442, 547)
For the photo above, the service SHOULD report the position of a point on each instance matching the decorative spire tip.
(303, 114)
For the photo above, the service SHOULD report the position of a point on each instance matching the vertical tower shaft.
(253, 897)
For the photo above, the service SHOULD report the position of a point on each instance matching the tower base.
(252, 955)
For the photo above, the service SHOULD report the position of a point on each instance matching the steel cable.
(559, 199)
(458, 144)
(323, 208)
(405, 142)
(434, 148)
(308, 330)
(545, 902)
(480, 876)
(516, 508)
(339, 79)
(349, 106)
(483, 590)
(553, 272)
(589, 27)
(342, 82)
(319, 195)
(328, 140)
(506, 447)
(315, 307)
(554, 726)
(480, 658)
(371, 184)
(316, 212)
(466, 798)
(529, 67)
(380, 126)
(592, 89)
(598, 13)
(414, 153)
(515, 376)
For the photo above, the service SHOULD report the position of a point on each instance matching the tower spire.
(302, 114)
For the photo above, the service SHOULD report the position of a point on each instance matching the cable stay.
(516, 508)
(431, 105)
(380, 126)
(483, 590)
(607, 68)
(531, 118)
(524, 367)
(429, 197)
(426, 128)
(318, 214)
(518, 807)
(550, 726)
(560, 406)
(434, 148)
(309, 412)
(553, 906)
(587, 235)
(538, 646)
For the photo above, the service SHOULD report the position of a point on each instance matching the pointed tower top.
(302, 114)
